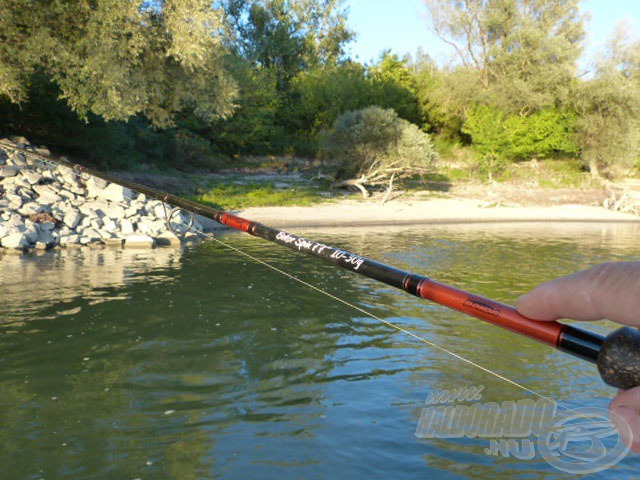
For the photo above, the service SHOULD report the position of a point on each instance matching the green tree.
(394, 86)
(327, 92)
(525, 52)
(117, 59)
(277, 44)
(608, 129)
(287, 36)
(254, 127)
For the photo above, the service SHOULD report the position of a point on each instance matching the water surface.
(203, 364)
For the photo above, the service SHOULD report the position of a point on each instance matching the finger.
(609, 290)
(627, 405)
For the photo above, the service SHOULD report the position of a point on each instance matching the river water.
(202, 363)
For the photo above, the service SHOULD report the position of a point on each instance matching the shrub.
(375, 146)
(486, 127)
(499, 138)
(541, 134)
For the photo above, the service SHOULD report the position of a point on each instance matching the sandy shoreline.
(352, 213)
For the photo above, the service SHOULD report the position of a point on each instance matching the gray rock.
(84, 223)
(89, 236)
(151, 205)
(16, 182)
(115, 193)
(67, 176)
(104, 235)
(109, 225)
(93, 190)
(132, 211)
(46, 194)
(158, 226)
(160, 211)
(49, 175)
(31, 208)
(114, 211)
(30, 232)
(18, 158)
(126, 227)
(66, 194)
(88, 210)
(26, 193)
(8, 171)
(15, 201)
(97, 224)
(72, 219)
(76, 190)
(168, 239)
(97, 182)
(15, 240)
(47, 226)
(32, 177)
(144, 227)
(69, 239)
(47, 237)
(44, 236)
(15, 221)
(139, 241)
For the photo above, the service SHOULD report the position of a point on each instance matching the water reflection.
(202, 364)
(33, 282)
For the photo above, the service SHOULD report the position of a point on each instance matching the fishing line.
(170, 213)
(616, 355)
(369, 314)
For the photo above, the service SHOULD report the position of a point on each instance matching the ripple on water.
(165, 364)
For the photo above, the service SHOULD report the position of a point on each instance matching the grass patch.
(230, 196)
(548, 173)
(563, 172)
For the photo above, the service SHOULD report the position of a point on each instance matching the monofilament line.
(330, 295)
(372, 315)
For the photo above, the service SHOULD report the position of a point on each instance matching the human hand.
(608, 290)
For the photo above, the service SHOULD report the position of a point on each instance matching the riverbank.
(44, 205)
(353, 213)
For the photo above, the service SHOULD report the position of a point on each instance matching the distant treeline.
(187, 82)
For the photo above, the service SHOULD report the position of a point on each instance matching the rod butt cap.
(619, 359)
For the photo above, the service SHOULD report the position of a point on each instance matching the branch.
(353, 182)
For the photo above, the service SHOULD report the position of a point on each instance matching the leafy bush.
(374, 145)
(193, 151)
(541, 134)
(486, 127)
(499, 138)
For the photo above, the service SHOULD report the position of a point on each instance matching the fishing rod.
(617, 355)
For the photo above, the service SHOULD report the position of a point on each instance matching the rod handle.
(619, 359)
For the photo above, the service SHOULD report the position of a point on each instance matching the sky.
(402, 26)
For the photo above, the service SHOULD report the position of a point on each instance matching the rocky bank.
(44, 206)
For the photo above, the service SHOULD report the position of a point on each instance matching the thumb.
(627, 407)
(608, 290)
